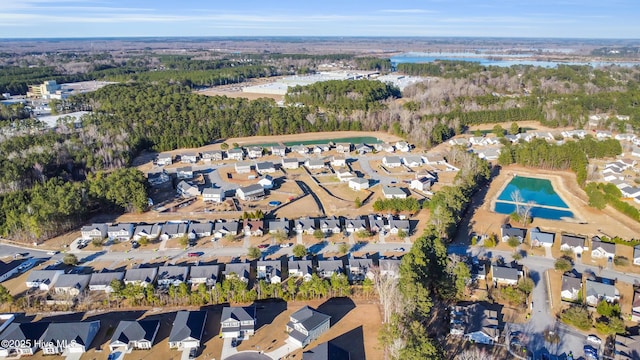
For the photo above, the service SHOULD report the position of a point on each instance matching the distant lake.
(493, 60)
(539, 191)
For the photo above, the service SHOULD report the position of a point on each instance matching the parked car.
(51, 253)
(135, 245)
(234, 342)
(594, 340)
(263, 246)
(284, 245)
(193, 254)
(193, 353)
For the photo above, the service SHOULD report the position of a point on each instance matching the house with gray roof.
(354, 225)
(396, 225)
(505, 275)
(22, 338)
(279, 225)
(541, 238)
(434, 159)
(571, 286)
(158, 178)
(314, 164)
(149, 231)
(476, 322)
(140, 276)
(243, 167)
(290, 163)
(330, 225)
(199, 229)
(343, 148)
(102, 281)
(250, 192)
(172, 275)
(204, 274)
(269, 271)
(389, 267)
(8, 269)
(265, 167)
(575, 243)
(305, 226)
(134, 335)
(43, 279)
(254, 152)
(601, 249)
(300, 149)
(392, 192)
(597, 291)
(216, 195)
(507, 231)
(71, 284)
(212, 155)
(187, 330)
(189, 158)
(94, 231)
(185, 172)
(173, 230)
(377, 223)
(279, 150)
(187, 190)
(224, 228)
(72, 337)
(306, 325)
(358, 184)
(412, 161)
(391, 161)
(326, 268)
(360, 269)
(326, 351)
(301, 269)
(164, 159)
(237, 322)
(236, 154)
(240, 271)
(362, 149)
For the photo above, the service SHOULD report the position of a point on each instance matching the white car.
(284, 245)
(594, 339)
(51, 253)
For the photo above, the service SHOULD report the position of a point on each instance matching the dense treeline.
(572, 155)
(343, 96)
(373, 63)
(397, 205)
(441, 68)
(602, 194)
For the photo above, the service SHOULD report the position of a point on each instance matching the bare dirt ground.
(534, 124)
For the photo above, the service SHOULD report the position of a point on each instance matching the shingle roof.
(141, 274)
(503, 272)
(595, 288)
(608, 247)
(77, 281)
(105, 278)
(326, 351)
(238, 313)
(24, 331)
(135, 331)
(572, 240)
(205, 271)
(188, 324)
(79, 332)
(309, 317)
(570, 283)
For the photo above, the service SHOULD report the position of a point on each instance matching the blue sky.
(499, 18)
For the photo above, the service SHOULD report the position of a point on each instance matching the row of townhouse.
(248, 227)
(477, 322)
(254, 152)
(72, 285)
(613, 173)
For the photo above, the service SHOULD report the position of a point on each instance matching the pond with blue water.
(547, 203)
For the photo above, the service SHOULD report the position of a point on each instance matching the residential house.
(186, 190)
(412, 161)
(189, 158)
(198, 230)
(305, 226)
(489, 154)
(636, 255)
(571, 286)
(140, 276)
(601, 135)
(392, 192)
(384, 147)
(158, 178)
(238, 322)
(134, 335)
(71, 285)
(627, 347)
(224, 228)
(477, 140)
(326, 268)
(389, 267)
(69, 337)
(253, 227)
(345, 176)
(250, 192)
(148, 231)
(122, 231)
(164, 159)
(635, 151)
(573, 242)
(8, 269)
(421, 184)
(300, 149)
(505, 275)
(434, 159)
(102, 281)
(541, 238)
(576, 134)
(513, 138)
(507, 231)
(213, 155)
(601, 249)
(216, 195)
(459, 142)
(269, 271)
(279, 150)
(94, 231)
(266, 182)
(337, 161)
(318, 149)
(236, 154)
(330, 225)
(343, 148)
(43, 279)
(362, 149)
(326, 351)
(265, 167)
(377, 223)
(625, 137)
(173, 230)
(243, 167)
(172, 275)
(396, 225)
(184, 172)
(240, 271)
(254, 152)
(314, 164)
(306, 325)
(630, 192)
(279, 226)
(290, 163)
(391, 161)
(187, 330)
(475, 322)
(635, 306)
(354, 225)
(359, 184)
(601, 289)
(22, 338)
(403, 146)
(301, 269)
(204, 274)
(360, 269)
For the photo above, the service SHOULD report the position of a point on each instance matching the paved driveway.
(227, 349)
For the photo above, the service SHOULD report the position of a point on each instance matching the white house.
(306, 325)
(187, 330)
(403, 146)
(184, 172)
(421, 184)
(122, 231)
(344, 176)
(279, 150)
(236, 154)
(140, 276)
(601, 135)
(102, 281)
(301, 269)
(164, 159)
(314, 164)
(337, 161)
(265, 167)
(43, 279)
(434, 159)
(476, 323)
(391, 161)
(251, 192)
(571, 286)
(290, 163)
(71, 284)
(266, 182)
(134, 335)
(541, 238)
(254, 152)
(187, 190)
(242, 167)
(597, 291)
(505, 275)
(412, 161)
(94, 231)
(216, 195)
(70, 338)
(269, 270)
(573, 243)
(359, 184)
(237, 322)
(602, 250)
(189, 158)
(392, 192)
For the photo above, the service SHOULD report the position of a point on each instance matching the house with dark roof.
(43, 279)
(204, 274)
(224, 228)
(601, 249)
(253, 227)
(571, 286)
(604, 289)
(627, 347)
(8, 269)
(573, 242)
(173, 230)
(306, 325)
(505, 275)
(149, 231)
(172, 275)
(140, 276)
(507, 231)
(326, 351)
(377, 223)
(72, 337)
(237, 322)
(301, 269)
(279, 225)
(199, 230)
(250, 192)
(396, 225)
(187, 330)
(354, 225)
(238, 270)
(326, 268)
(102, 281)
(330, 225)
(305, 226)
(22, 338)
(269, 271)
(541, 238)
(476, 323)
(360, 269)
(94, 231)
(71, 284)
(134, 335)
